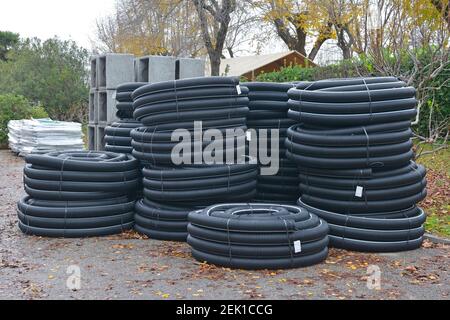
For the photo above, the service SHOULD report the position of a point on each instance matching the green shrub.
(13, 107)
(38, 112)
(53, 73)
(287, 74)
(344, 69)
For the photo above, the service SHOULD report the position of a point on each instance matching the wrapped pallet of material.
(44, 135)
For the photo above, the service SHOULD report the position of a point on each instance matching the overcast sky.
(71, 19)
(68, 19)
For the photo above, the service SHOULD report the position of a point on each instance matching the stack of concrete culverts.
(172, 191)
(107, 72)
(117, 135)
(78, 194)
(268, 110)
(257, 236)
(353, 147)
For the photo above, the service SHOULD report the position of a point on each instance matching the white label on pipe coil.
(358, 191)
(297, 246)
(238, 89)
(249, 135)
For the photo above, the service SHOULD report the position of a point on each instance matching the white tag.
(297, 246)
(358, 191)
(238, 89)
(249, 135)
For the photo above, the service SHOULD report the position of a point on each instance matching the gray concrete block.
(106, 106)
(136, 69)
(100, 137)
(93, 73)
(93, 103)
(190, 68)
(155, 69)
(114, 69)
(92, 145)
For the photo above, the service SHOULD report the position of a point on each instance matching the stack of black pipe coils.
(117, 135)
(352, 142)
(269, 111)
(173, 189)
(170, 193)
(78, 194)
(257, 236)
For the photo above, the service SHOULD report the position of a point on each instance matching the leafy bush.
(13, 107)
(287, 74)
(345, 69)
(53, 73)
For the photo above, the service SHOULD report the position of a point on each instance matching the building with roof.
(251, 66)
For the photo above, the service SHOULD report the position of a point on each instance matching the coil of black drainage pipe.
(386, 191)
(352, 103)
(78, 194)
(382, 217)
(200, 184)
(171, 193)
(125, 90)
(346, 82)
(358, 147)
(124, 104)
(155, 147)
(117, 136)
(194, 99)
(162, 221)
(220, 124)
(185, 85)
(257, 236)
(377, 232)
(124, 110)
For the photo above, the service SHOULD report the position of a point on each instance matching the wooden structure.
(251, 66)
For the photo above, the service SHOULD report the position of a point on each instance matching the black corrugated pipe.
(78, 194)
(353, 146)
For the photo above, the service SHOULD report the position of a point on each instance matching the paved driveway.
(131, 267)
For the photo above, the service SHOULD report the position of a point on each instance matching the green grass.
(437, 224)
(438, 161)
(437, 203)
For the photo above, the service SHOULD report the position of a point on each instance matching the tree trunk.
(214, 59)
(346, 52)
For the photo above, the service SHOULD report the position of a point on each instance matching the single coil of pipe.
(158, 147)
(117, 136)
(188, 100)
(78, 194)
(200, 184)
(377, 232)
(384, 191)
(257, 236)
(124, 104)
(352, 102)
(171, 193)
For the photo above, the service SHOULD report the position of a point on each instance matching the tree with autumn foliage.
(143, 27)
(295, 22)
(214, 17)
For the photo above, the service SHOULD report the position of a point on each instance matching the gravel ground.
(131, 267)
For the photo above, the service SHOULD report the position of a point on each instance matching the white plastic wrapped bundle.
(44, 135)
